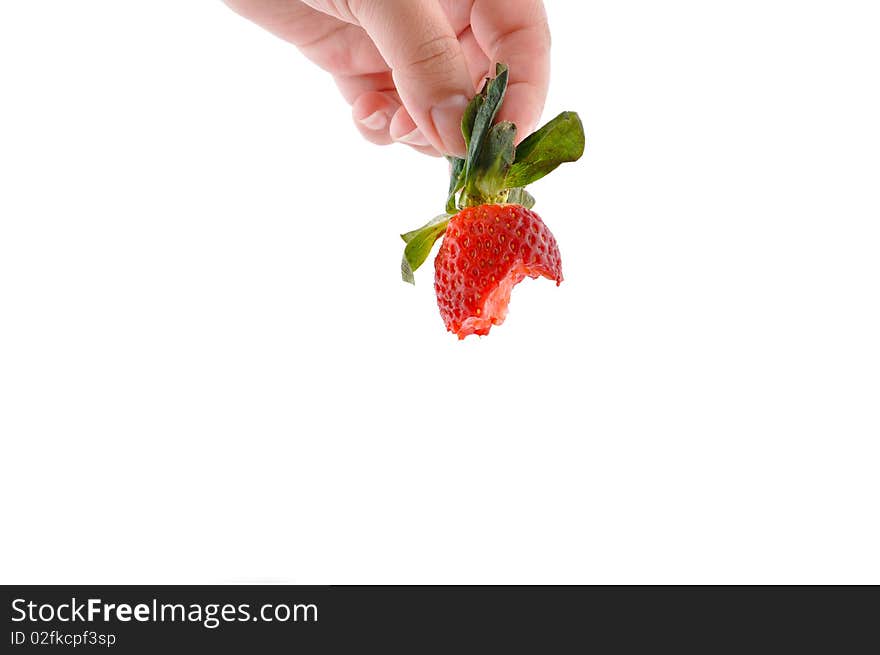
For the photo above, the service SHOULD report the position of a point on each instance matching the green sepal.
(440, 218)
(470, 114)
(520, 196)
(496, 158)
(456, 182)
(419, 244)
(561, 140)
(484, 114)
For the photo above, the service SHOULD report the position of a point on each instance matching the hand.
(409, 67)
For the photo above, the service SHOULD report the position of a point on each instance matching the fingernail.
(378, 120)
(414, 138)
(447, 119)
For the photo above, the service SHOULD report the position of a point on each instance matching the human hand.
(409, 67)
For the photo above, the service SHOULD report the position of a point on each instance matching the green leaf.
(495, 159)
(522, 197)
(493, 93)
(418, 246)
(470, 113)
(456, 166)
(409, 236)
(560, 140)
(456, 182)
(406, 272)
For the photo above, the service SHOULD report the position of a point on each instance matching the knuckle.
(338, 61)
(343, 9)
(434, 55)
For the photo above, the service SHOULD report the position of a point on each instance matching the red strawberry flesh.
(486, 251)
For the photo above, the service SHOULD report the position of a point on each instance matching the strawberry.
(493, 240)
(486, 251)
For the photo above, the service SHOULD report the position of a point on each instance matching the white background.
(211, 372)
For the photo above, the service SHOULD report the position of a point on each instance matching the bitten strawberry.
(486, 251)
(492, 238)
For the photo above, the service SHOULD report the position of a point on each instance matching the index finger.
(515, 32)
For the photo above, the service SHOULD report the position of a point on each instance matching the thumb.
(428, 67)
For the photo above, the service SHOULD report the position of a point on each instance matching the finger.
(431, 152)
(336, 46)
(334, 41)
(458, 13)
(343, 49)
(403, 129)
(427, 63)
(353, 86)
(515, 32)
(477, 61)
(372, 113)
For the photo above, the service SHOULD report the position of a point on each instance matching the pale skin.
(408, 67)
